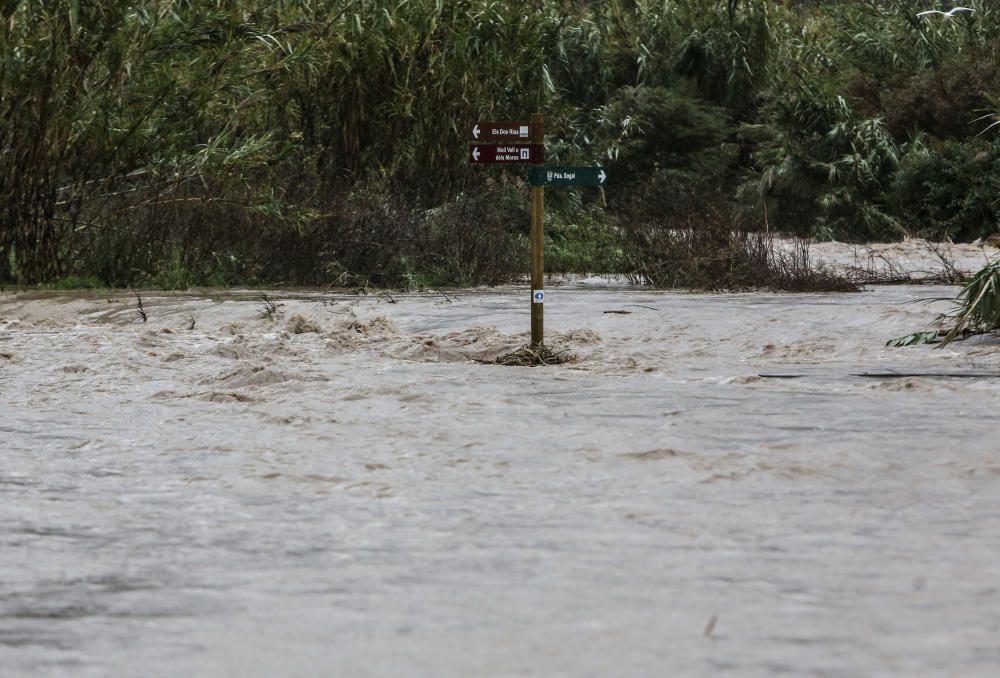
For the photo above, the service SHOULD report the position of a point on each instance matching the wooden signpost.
(522, 142)
(506, 154)
(537, 257)
(516, 131)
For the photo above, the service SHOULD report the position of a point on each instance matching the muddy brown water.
(340, 490)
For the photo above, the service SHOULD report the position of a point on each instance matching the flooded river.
(736, 484)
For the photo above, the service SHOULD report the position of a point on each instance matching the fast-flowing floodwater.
(736, 484)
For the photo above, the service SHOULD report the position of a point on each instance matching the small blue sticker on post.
(538, 297)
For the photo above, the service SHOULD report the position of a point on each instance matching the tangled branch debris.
(531, 356)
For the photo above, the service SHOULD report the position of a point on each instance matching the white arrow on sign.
(475, 131)
(475, 153)
(601, 176)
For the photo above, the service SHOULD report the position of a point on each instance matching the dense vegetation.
(172, 142)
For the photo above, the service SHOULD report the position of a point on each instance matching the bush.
(581, 241)
(940, 102)
(479, 238)
(316, 142)
(947, 191)
(654, 129)
(825, 169)
(706, 250)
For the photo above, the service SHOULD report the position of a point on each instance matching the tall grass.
(242, 140)
(133, 130)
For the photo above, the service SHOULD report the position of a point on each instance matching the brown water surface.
(720, 484)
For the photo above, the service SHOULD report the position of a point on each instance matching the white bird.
(949, 13)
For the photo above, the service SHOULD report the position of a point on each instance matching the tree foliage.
(175, 142)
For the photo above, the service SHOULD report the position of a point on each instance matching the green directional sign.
(567, 176)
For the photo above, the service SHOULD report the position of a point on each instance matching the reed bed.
(170, 143)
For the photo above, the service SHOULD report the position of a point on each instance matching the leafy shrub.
(825, 169)
(941, 102)
(671, 152)
(976, 311)
(947, 191)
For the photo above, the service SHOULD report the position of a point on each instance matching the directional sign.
(531, 154)
(515, 132)
(567, 176)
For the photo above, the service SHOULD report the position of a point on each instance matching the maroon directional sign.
(512, 131)
(509, 154)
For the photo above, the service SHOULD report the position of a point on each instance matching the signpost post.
(537, 258)
(522, 142)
